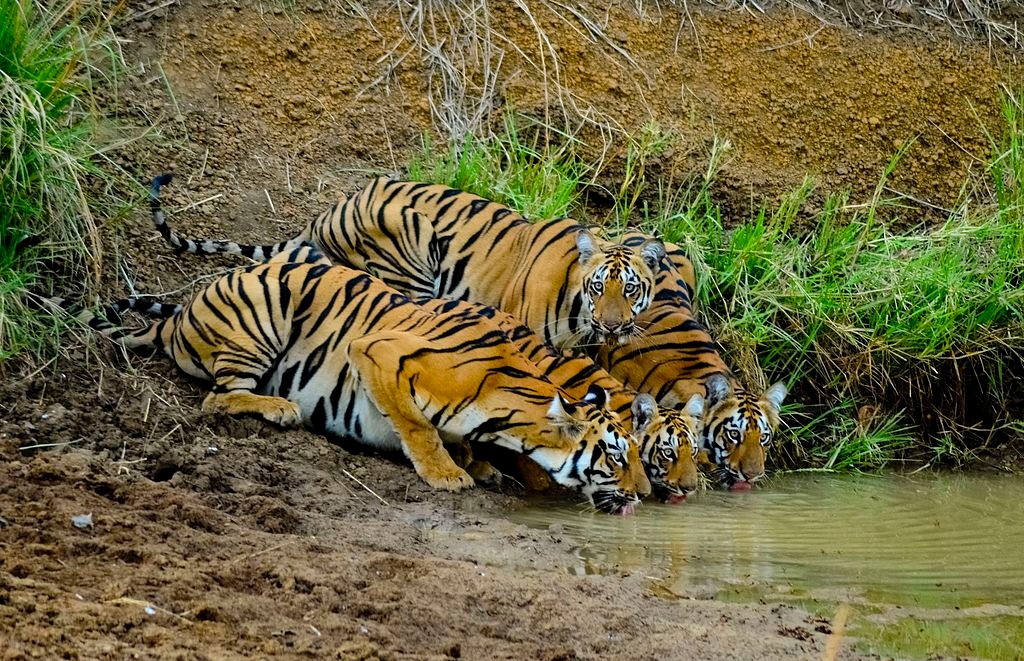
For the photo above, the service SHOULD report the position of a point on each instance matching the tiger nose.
(611, 325)
(750, 473)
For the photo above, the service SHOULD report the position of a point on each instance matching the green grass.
(923, 329)
(50, 59)
(977, 637)
(925, 324)
(539, 180)
(986, 637)
(852, 439)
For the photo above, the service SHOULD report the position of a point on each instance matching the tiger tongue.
(741, 486)
(626, 510)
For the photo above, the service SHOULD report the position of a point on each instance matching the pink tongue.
(740, 486)
(626, 510)
(675, 500)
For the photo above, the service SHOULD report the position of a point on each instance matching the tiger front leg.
(234, 394)
(389, 382)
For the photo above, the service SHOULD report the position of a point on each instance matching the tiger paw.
(283, 413)
(454, 479)
(484, 473)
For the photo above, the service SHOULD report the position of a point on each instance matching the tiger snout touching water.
(341, 352)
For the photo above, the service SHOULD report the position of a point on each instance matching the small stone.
(82, 520)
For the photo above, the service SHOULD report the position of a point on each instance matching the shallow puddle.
(925, 541)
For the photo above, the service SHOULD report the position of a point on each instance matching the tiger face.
(618, 284)
(605, 462)
(669, 443)
(738, 427)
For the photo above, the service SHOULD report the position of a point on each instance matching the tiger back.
(339, 351)
(556, 277)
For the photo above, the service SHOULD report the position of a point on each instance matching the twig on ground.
(147, 605)
(196, 204)
(372, 492)
(49, 445)
(250, 556)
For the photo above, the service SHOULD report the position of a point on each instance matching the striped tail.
(153, 337)
(144, 305)
(209, 246)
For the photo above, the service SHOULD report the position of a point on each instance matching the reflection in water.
(944, 540)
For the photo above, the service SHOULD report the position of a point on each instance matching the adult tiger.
(669, 439)
(674, 357)
(300, 341)
(556, 276)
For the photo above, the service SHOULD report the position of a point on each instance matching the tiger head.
(617, 283)
(738, 427)
(669, 441)
(605, 463)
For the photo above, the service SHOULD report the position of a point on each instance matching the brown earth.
(244, 540)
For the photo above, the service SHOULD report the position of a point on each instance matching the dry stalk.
(466, 54)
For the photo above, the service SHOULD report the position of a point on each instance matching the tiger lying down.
(433, 241)
(298, 340)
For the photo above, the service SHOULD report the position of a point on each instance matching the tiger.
(302, 341)
(674, 356)
(669, 439)
(556, 277)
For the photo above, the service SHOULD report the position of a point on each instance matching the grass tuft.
(976, 637)
(539, 180)
(50, 58)
(927, 321)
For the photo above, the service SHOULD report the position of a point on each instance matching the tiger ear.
(644, 407)
(695, 407)
(560, 413)
(560, 408)
(718, 388)
(775, 395)
(596, 396)
(652, 251)
(586, 244)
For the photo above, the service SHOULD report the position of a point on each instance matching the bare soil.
(215, 538)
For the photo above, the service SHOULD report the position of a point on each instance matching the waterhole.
(936, 541)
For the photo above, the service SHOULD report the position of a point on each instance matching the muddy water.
(935, 541)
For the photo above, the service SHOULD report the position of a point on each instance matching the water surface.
(928, 540)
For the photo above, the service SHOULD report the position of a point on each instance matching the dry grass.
(52, 58)
(990, 20)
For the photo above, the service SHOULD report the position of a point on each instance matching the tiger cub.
(556, 277)
(334, 348)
